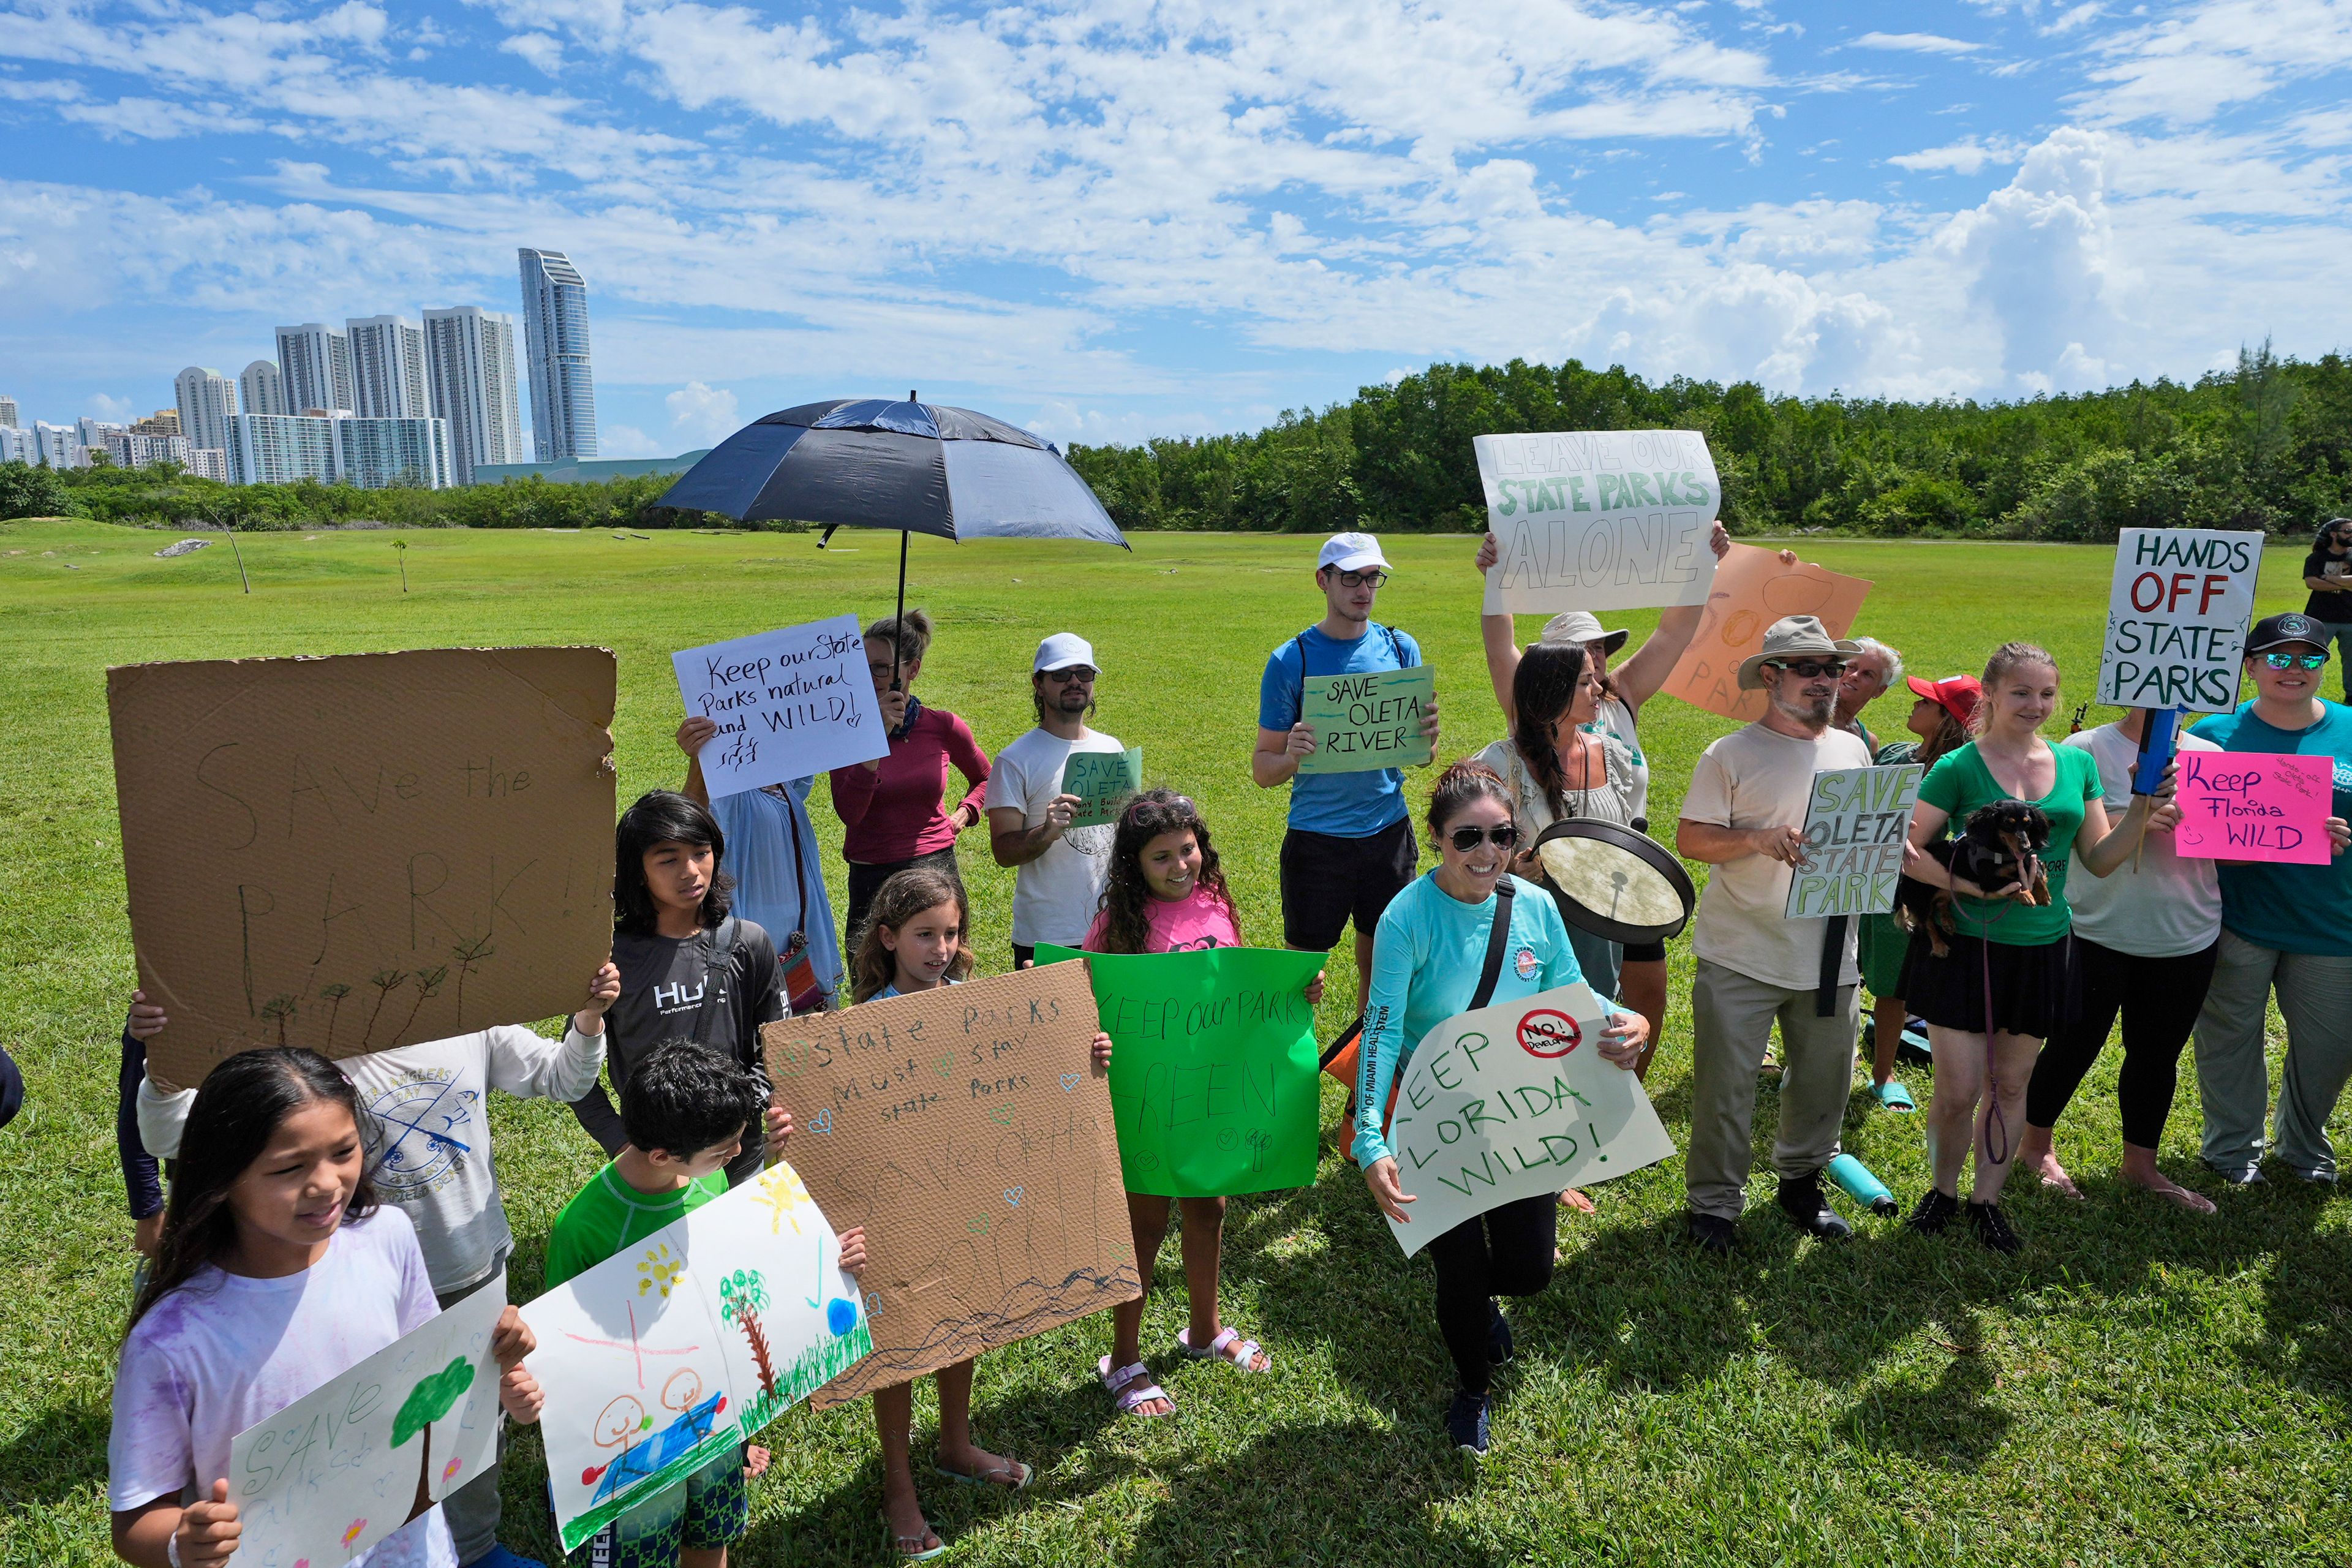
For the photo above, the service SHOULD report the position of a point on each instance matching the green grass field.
(2142, 1385)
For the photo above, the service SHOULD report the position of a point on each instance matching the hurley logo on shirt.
(1525, 963)
(677, 998)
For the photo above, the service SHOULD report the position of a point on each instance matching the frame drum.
(1620, 885)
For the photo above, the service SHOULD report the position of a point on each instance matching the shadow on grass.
(59, 1452)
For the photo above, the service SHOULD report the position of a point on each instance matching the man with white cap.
(1058, 879)
(1745, 817)
(1350, 847)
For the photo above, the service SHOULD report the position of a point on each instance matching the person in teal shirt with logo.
(2285, 929)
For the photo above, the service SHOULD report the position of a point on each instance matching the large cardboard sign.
(342, 1467)
(1368, 721)
(1214, 1086)
(2176, 617)
(964, 1127)
(1597, 519)
(363, 851)
(788, 704)
(670, 1353)
(1104, 782)
(1752, 589)
(1512, 1101)
(1856, 821)
(2254, 805)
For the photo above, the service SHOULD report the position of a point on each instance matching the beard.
(1807, 709)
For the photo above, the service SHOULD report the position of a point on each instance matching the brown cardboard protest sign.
(1752, 589)
(964, 1127)
(363, 851)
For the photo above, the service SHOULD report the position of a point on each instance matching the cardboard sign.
(1855, 822)
(964, 1127)
(2177, 616)
(788, 704)
(1597, 519)
(364, 851)
(2254, 805)
(340, 1468)
(1213, 1082)
(674, 1349)
(1105, 780)
(1751, 591)
(1368, 721)
(1513, 1100)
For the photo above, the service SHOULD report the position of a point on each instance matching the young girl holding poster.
(277, 1272)
(1166, 893)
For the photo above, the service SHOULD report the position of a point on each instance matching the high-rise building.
(315, 362)
(207, 463)
(261, 388)
(57, 445)
(280, 448)
(94, 433)
(137, 449)
(7, 414)
(162, 422)
(387, 368)
(15, 445)
(206, 399)
(469, 361)
(555, 332)
(375, 454)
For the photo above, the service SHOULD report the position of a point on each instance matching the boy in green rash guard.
(2283, 928)
(686, 1108)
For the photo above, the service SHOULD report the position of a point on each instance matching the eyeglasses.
(1465, 839)
(1077, 674)
(2291, 660)
(1363, 579)
(1809, 669)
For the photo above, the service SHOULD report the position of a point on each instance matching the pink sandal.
(1130, 1386)
(1224, 1348)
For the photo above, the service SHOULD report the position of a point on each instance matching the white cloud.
(701, 415)
(1966, 156)
(114, 409)
(1916, 43)
(628, 441)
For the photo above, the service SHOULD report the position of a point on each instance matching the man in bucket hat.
(1745, 817)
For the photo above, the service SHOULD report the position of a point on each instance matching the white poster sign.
(2176, 617)
(681, 1346)
(343, 1467)
(1597, 519)
(1513, 1100)
(788, 704)
(1854, 828)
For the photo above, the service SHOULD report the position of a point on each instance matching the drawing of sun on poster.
(681, 1346)
(1513, 1100)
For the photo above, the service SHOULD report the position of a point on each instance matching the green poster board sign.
(1213, 1085)
(1367, 720)
(1105, 780)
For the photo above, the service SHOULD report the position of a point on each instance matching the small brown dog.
(2001, 844)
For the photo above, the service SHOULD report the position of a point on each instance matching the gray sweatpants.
(472, 1510)
(1732, 1016)
(2314, 998)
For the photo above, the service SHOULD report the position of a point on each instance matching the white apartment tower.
(387, 368)
(470, 364)
(7, 414)
(261, 388)
(555, 331)
(206, 399)
(315, 362)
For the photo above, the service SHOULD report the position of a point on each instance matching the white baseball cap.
(1064, 649)
(1352, 552)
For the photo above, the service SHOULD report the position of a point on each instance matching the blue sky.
(1115, 220)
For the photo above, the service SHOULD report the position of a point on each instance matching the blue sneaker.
(499, 1557)
(1465, 1423)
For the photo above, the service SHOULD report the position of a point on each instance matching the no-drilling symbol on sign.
(1548, 1032)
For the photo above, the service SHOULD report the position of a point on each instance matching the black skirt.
(2031, 991)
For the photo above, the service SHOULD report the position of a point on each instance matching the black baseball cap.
(2276, 631)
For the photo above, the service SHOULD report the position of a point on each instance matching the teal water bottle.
(1859, 1185)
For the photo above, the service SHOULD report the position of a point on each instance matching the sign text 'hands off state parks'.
(1513, 1100)
(2177, 616)
(1855, 823)
(964, 1127)
(363, 851)
(788, 704)
(1367, 720)
(1597, 519)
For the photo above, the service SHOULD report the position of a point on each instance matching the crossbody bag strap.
(1498, 937)
(721, 949)
(800, 864)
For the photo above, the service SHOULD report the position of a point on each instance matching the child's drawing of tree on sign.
(334, 994)
(386, 981)
(428, 1402)
(743, 1294)
(468, 956)
(278, 1009)
(428, 983)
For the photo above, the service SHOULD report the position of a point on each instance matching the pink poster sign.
(2253, 806)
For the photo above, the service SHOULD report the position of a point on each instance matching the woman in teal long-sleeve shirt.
(1426, 958)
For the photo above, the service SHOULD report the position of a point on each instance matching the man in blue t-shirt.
(1350, 847)
(2282, 927)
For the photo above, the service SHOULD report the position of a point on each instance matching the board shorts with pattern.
(709, 1508)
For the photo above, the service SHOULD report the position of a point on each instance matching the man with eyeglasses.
(1745, 817)
(2285, 929)
(1059, 869)
(1350, 847)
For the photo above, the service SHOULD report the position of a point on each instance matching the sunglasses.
(1465, 839)
(1363, 579)
(1077, 674)
(1810, 670)
(2291, 660)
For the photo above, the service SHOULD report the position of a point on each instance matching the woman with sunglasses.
(1428, 958)
(2327, 573)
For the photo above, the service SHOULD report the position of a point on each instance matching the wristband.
(171, 1547)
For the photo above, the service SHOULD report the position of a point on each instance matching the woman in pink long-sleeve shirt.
(891, 809)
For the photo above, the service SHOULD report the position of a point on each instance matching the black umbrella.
(918, 467)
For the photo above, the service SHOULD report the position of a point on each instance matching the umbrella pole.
(898, 640)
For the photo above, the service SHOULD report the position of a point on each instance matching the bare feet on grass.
(2139, 1169)
(2035, 1154)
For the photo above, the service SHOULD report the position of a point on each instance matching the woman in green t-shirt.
(2003, 948)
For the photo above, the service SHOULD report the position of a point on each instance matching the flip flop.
(1012, 1475)
(1130, 1386)
(899, 1544)
(1891, 1095)
(1243, 1353)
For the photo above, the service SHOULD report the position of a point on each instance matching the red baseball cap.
(1955, 694)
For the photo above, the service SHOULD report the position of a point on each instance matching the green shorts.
(710, 1507)
(1881, 946)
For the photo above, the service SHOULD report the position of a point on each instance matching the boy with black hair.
(687, 1108)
